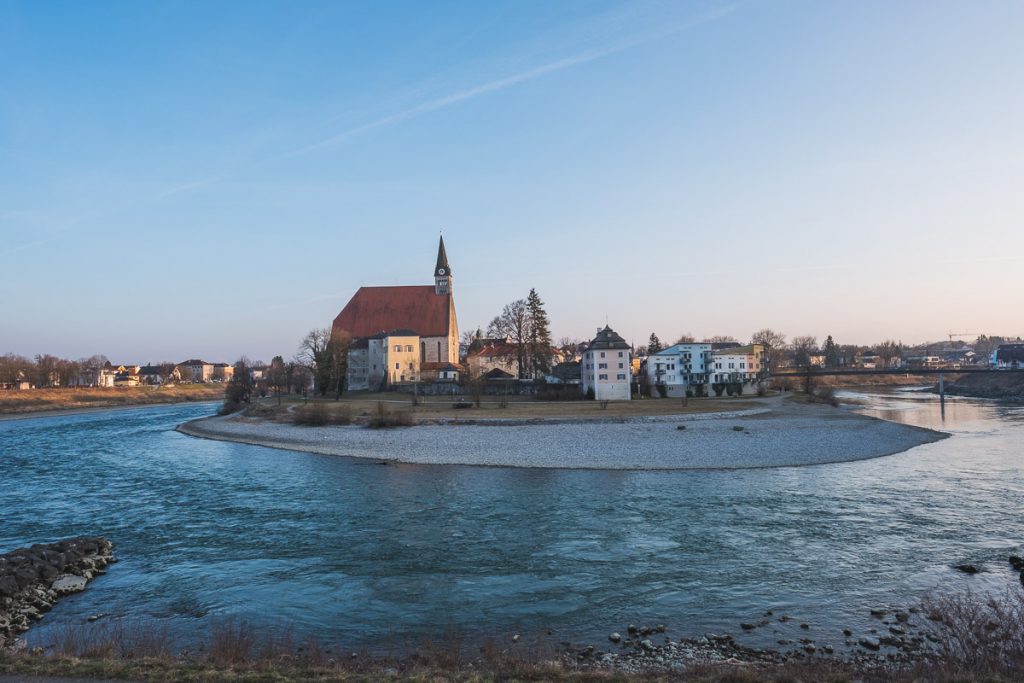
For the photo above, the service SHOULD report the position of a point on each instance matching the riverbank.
(1004, 387)
(41, 402)
(775, 432)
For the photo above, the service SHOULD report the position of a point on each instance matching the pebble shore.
(779, 436)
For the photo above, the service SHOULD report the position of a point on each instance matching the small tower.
(442, 271)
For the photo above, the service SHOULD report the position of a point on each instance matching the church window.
(438, 352)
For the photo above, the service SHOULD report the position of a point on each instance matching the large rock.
(69, 583)
(32, 579)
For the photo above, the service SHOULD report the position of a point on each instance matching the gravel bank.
(783, 435)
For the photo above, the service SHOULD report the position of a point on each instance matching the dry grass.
(968, 648)
(512, 407)
(41, 400)
(318, 415)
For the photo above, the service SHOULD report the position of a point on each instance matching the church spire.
(442, 271)
(442, 267)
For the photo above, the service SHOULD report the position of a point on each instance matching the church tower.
(442, 272)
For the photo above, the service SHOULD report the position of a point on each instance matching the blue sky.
(186, 179)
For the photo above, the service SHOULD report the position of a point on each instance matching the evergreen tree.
(831, 353)
(539, 335)
(653, 345)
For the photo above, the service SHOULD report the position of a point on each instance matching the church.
(401, 334)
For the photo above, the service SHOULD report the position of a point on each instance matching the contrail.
(507, 82)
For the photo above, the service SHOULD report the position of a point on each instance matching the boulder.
(870, 644)
(69, 583)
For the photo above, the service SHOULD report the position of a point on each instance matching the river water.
(377, 557)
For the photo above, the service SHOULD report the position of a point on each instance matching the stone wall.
(33, 579)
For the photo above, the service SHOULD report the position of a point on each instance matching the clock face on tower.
(440, 271)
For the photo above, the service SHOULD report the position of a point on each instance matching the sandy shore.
(778, 435)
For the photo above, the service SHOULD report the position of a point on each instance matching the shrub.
(824, 395)
(590, 394)
(718, 389)
(738, 388)
(662, 390)
(317, 415)
(229, 407)
(384, 418)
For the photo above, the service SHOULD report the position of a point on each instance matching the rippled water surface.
(365, 554)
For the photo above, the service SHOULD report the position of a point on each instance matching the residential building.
(606, 368)
(492, 354)
(1008, 357)
(680, 367)
(737, 365)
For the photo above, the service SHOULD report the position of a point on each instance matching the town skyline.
(218, 198)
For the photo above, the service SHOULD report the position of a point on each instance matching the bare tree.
(514, 324)
(774, 342)
(888, 350)
(326, 356)
(686, 338)
(802, 348)
(721, 339)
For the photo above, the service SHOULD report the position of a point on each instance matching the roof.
(442, 260)
(439, 367)
(498, 373)
(1008, 353)
(372, 310)
(607, 339)
(494, 350)
(737, 350)
(676, 348)
(195, 361)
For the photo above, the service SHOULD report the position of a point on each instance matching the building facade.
(425, 312)
(606, 367)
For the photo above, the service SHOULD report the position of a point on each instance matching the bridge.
(808, 373)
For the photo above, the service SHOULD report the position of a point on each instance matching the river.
(378, 557)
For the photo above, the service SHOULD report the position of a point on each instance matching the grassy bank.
(44, 400)
(972, 638)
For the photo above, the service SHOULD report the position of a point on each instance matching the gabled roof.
(195, 361)
(500, 349)
(607, 339)
(372, 310)
(498, 373)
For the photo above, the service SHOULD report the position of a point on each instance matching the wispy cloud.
(510, 81)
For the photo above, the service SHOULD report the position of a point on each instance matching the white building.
(606, 367)
(680, 367)
(739, 365)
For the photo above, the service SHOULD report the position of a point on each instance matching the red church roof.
(373, 310)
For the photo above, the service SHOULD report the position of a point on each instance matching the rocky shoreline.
(33, 579)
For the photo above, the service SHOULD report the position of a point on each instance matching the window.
(602, 366)
(411, 366)
(620, 366)
(397, 366)
(602, 354)
(602, 376)
(408, 348)
(621, 376)
(620, 354)
(398, 347)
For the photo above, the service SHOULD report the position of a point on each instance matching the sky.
(182, 179)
